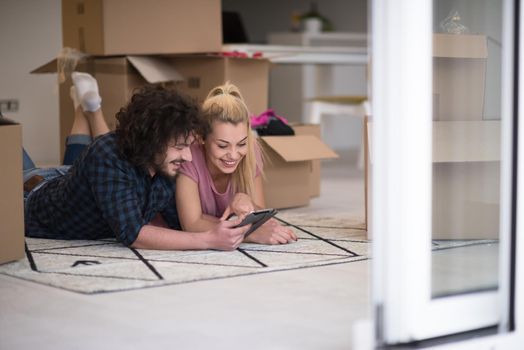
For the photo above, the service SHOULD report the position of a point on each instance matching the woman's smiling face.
(226, 146)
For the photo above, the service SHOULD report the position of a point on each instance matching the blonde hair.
(225, 104)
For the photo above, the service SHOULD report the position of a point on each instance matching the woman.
(225, 175)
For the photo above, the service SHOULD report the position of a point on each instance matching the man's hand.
(272, 232)
(240, 205)
(225, 237)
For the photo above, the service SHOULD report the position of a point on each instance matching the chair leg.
(314, 115)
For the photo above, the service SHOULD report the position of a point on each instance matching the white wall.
(30, 35)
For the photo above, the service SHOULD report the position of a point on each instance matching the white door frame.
(401, 210)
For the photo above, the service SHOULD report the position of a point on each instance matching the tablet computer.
(256, 219)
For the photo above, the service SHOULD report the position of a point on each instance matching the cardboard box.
(288, 168)
(11, 188)
(202, 73)
(194, 75)
(123, 27)
(465, 179)
(459, 76)
(314, 177)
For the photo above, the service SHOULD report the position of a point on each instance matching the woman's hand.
(240, 205)
(272, 232)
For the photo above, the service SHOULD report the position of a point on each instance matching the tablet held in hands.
(255, 218)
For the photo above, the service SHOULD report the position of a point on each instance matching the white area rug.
(102, 266)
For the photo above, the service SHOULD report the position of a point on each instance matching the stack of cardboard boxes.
(466, 148)
(132, 42)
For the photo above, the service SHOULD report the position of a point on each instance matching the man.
(122, 184)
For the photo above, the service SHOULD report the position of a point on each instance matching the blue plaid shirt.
(101, 196)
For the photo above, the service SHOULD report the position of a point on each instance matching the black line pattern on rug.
(339, 240)
(134, 259)
(465, 245)
(86, 255)
(320, 238)
(324, 226)
(122, 269)
(99, 276)
(243, 251)
(291, 252)
(356, 259)
(146, 262)
(87, 266)
(30, 258)
(166, 264)
(336, 227)
(76, 246)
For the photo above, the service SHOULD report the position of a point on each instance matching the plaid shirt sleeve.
(170, 214)
(115, 188)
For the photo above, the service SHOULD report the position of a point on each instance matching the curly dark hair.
(154, 117)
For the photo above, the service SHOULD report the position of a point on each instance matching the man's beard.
(161, 170)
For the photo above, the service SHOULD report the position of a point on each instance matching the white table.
(287, 54)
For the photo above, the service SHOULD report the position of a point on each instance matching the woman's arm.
(242, 204)
(188, 206)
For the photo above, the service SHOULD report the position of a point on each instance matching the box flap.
(49, 67)
(155, 69)
(5, 121)
(460, 46)
(299, 147)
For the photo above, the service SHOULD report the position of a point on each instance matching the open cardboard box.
(127, 27)
(466, 179)
(459, 76)
(314, 178)
(288, 168)
(194, 75)
(11, 189)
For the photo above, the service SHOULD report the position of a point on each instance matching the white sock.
(86, 91)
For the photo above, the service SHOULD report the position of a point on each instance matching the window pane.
(466, 145)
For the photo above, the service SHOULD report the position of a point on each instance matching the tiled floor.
(311, 308)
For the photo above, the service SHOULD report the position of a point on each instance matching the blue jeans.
(75, 144)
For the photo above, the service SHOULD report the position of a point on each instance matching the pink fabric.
(212, 202)
(263, 119)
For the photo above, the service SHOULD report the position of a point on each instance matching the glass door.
(466, 146)
(444, 126)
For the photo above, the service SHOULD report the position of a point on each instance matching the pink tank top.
(212, 202)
